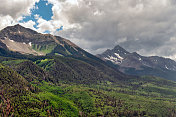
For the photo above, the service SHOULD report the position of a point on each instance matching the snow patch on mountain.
(118, 56)
(11, 40)
(30, 43)
(140, 59)
(117, 59)
(113, 59)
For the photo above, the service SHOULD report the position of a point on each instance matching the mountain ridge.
(126, 61)
(27, 41)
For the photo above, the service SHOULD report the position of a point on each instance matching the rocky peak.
(116, 55)
(119, 49)
(16, 30)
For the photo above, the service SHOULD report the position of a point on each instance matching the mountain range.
(43, 75)
(18, 42)
(135, 64)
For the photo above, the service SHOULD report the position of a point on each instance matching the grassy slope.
(44, 48)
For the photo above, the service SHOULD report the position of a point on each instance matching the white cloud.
(11, 11)
(29, 24)
(5, 21)
(58, 19)
(44, 25)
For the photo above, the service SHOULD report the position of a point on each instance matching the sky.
(144, 26)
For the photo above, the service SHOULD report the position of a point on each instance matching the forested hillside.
(39, 88)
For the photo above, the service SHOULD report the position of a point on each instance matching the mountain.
(135, 64)
(42, 75)
(26, 41)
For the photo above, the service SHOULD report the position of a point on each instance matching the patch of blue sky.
(59, 29)
(47, 31)
(43, 9)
